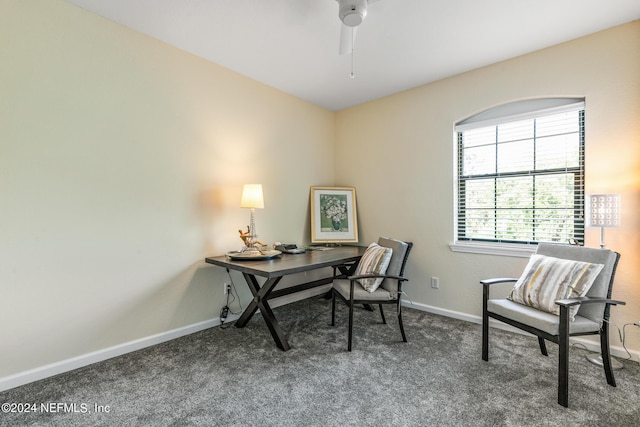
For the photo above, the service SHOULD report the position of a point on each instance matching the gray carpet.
(237, 377)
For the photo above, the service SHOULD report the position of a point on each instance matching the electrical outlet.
(435, 283)
(637, 324)
(227, 288)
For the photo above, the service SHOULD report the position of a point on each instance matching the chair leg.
(350, 324)
(543, 346)
(404, 336)
(382, 314)
(333, 307)
(563, 358)
(485, 324)
(606, 354)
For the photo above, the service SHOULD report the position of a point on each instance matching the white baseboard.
(67, 365)
(590, 345)
(442, 312)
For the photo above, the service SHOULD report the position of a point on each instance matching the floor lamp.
(603, 210)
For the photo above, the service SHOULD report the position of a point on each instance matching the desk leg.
(260, 296)
(348, 269)
(251, 309)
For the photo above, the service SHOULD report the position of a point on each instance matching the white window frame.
(519, 110)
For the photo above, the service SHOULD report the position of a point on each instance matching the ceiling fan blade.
(347, 39)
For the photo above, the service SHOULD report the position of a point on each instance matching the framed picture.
(333, 215)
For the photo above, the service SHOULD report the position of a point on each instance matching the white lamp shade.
(603, 210)
(252, 196)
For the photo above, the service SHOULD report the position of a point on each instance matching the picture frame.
(334, 216)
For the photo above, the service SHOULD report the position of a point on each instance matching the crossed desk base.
(273, 270)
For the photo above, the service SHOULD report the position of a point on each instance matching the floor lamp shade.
(603, 210)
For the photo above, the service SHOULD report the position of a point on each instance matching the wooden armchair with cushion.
(564, 291)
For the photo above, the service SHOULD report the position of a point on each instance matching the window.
(520, 175)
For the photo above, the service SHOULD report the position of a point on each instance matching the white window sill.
(502, 249)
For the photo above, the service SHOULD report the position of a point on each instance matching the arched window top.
(519, 110)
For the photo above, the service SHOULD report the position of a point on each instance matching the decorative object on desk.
(288, 248)
(319, 248)
(603, 210)
(333, 215)
(251, 198)
(246, 238)
(253, 255)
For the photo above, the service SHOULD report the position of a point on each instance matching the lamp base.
(597, 360)
(251, 250)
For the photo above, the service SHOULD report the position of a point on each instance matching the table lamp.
(603, 210)
(251, 198)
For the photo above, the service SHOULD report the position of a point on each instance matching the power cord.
(621, 334)
(235, 291)
(406, 295)
(224, 311)
(231, 297)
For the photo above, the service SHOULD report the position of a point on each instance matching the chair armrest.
(488, 282)
(588, 300)
(498, 280)
(373, 276)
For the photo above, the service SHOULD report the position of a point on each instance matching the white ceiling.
(292, 45)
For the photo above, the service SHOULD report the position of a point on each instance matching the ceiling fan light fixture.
(352, 12)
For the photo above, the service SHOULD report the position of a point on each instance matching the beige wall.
(121, 167)
(399, 152)
(122, 161)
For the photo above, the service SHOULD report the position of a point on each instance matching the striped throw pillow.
(546, 280)
(375, 260)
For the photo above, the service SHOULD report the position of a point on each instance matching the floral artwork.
(333, 215)
(334, 212)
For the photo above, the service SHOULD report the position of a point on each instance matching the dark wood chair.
(591, 318)
(349, 290)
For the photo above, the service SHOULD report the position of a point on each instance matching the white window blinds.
(520, 176)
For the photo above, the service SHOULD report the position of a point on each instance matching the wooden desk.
(274, 270)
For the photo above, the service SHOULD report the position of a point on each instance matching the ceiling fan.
(351, 13)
